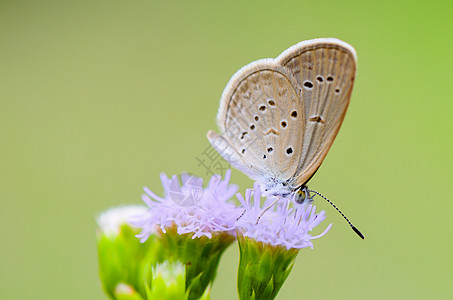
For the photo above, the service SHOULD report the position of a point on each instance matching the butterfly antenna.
(347, 220)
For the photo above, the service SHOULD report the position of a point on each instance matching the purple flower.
(277, 222)
(190, 207)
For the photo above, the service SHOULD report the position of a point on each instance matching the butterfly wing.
(324, 70)
(262, 121)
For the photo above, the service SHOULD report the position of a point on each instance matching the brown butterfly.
(279, 117)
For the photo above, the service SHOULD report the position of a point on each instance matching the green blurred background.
(99, 97)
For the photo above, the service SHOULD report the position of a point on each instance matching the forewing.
(324, 70)
(262, 122)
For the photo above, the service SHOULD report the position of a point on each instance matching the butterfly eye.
(271, 102)
(337, 91)
(283, 124)
(300, 196)
(289, 150)
(294, 114)
(329, 78)
(301, 193)
(320, 78)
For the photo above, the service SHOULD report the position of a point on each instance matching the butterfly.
(279, 117)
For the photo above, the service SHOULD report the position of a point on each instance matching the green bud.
(126, 292)
(263, 268)
(122, 258)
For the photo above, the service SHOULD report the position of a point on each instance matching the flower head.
(194, 224)
(276, 222)
(190, 207)
(270, 237)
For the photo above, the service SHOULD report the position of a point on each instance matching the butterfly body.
(279, 117)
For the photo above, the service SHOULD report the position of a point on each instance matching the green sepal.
(200, 256)
(207, 294)
(167, 281)
(263, 268)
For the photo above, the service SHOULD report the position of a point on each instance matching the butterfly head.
(273, 187)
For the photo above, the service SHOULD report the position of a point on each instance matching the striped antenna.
(347, 220)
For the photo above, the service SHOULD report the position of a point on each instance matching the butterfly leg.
(267, 208)
(241, 215)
